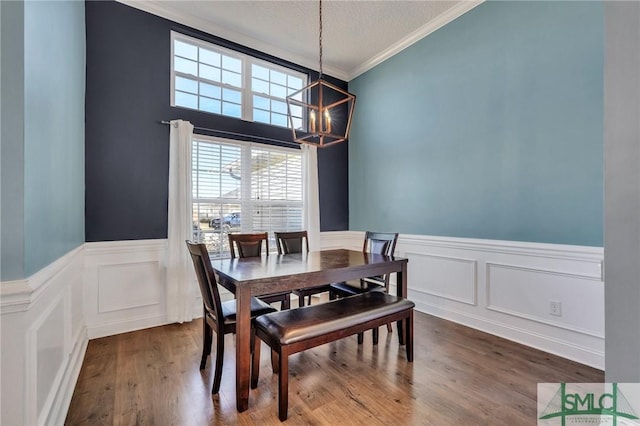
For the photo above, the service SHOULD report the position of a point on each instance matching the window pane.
(210, 73)
(231, 78)
(260, 72)
(186, 100)
(231, 64)
(279, 106)
(186, 85)
(209, 57)
(279, 119)
(295, 82)
(297, 123)
(210, 105)
(278, 77)
(259, 86)
(232, 110)
(261, 102)
(185, 66)
(185, 50)
(261, 116)
(278, 91)
(296, 111)
(232, 96)
(210, 90)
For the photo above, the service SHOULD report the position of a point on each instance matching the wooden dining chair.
(250, 245)
(383, 243)
(298, 242)
(221, 316)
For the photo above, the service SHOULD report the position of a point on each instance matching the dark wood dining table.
(255, 276)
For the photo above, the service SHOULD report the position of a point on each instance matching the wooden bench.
(295, 330)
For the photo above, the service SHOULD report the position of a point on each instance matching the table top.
(269, 274)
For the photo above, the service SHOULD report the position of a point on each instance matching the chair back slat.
(206, 280)
(380, 243)
(248, 245)
(292, 242)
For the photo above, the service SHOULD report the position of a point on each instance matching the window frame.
(246, 88)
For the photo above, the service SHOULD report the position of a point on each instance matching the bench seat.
(295, 330)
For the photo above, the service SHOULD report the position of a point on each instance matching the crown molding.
(157, 8)
(442, 20)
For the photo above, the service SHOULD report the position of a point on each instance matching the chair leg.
(286, 303)
(206, 342)
(409, 338)
(283, 386)
(360, 338)
(217, 376)
(400, 333)
(375, 335)
(274, 362)
(255, 359)
(301, 301)
(389, 328)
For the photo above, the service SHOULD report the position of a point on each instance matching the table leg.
(401, 290)
(243, 349)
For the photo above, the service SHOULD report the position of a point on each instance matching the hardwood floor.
(460, 376)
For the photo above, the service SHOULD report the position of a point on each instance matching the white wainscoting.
(44, 339)
(125, 286)
(100, 289)
(505, 288)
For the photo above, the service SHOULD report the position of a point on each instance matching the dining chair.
(221, 316)
(250, 245)
(298, 242)
(383, 243)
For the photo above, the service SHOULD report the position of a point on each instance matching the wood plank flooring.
(459, 376)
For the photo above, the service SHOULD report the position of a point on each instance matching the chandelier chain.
(320, 36)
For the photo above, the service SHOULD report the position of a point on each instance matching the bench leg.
(409, 338)
(360, 338)
(283, 386)
(375, 335)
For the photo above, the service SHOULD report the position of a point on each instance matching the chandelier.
(320, 113)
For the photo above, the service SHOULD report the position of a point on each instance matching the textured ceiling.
(357, 35)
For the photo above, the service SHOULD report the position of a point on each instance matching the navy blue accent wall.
(127, 149)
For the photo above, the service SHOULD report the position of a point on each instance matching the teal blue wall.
(491, 127)
(53, 144)
(12, 137)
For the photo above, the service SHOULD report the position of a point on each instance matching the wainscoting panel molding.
(125, 286)
(44, 339)
(506, 288)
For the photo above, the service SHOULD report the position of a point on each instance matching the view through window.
(244, 187)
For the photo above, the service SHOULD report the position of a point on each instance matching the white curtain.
(310, 197)
(180, 284)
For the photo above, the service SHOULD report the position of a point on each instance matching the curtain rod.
(242, 135)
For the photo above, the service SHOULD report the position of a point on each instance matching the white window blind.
(244, 187)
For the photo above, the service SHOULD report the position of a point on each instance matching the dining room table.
(256, 276)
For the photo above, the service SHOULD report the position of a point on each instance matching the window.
(244, 187)
(213, 79)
